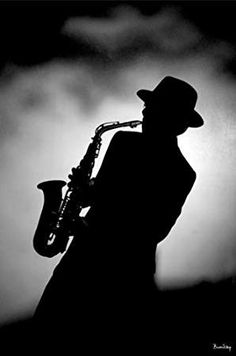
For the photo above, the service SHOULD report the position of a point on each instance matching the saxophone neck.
(114, 125)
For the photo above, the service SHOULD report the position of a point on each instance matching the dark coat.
(108, 274)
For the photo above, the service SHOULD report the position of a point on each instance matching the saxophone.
(59, 214)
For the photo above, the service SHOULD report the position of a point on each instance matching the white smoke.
(128, 30)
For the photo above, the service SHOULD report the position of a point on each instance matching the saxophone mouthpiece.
(135, 123)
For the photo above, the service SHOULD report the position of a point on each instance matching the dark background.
(30, 30)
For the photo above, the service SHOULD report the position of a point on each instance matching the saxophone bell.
(43, 237)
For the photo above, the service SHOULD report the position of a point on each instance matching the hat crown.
(176, 91)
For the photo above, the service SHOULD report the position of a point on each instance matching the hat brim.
(195, 118)
(144, 95)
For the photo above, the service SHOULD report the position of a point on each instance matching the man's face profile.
(158, 118)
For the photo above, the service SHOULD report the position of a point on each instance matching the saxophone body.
(59, 215)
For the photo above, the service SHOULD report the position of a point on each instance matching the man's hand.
(83, 193)
(75, 178)
(79, 226)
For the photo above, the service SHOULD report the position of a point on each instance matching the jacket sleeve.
(110, 164)
(103, 183)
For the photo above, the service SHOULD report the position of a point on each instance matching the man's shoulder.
(126, 137)
(126, 143)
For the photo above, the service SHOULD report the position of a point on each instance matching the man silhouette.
(104, 285)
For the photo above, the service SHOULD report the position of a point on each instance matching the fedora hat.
(175, 93)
